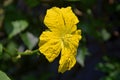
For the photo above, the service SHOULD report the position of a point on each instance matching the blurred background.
(21, 23)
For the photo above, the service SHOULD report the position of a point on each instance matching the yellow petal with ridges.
(70, 19)
(67, 60)
(53, 19)
(46, 36)
(49, 45)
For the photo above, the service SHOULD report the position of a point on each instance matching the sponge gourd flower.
(61, 37)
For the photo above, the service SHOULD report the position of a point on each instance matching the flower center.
(66, 39)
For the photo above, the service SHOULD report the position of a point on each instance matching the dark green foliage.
(21, 23)
(111, 67)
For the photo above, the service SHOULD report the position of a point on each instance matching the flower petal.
(69, 50)
(70, 19)
(53, 19)
(76, 37)
(49, 45)
(71, 41)
(67, 60)
(46, 36)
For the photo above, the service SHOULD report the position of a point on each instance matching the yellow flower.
(62, 36)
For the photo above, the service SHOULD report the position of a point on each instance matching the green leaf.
(29, 39)
(11, 48)
(89, 11)
(17, 27)
(3, 76)
(1, 49)
(105, 34)
(82, 52)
